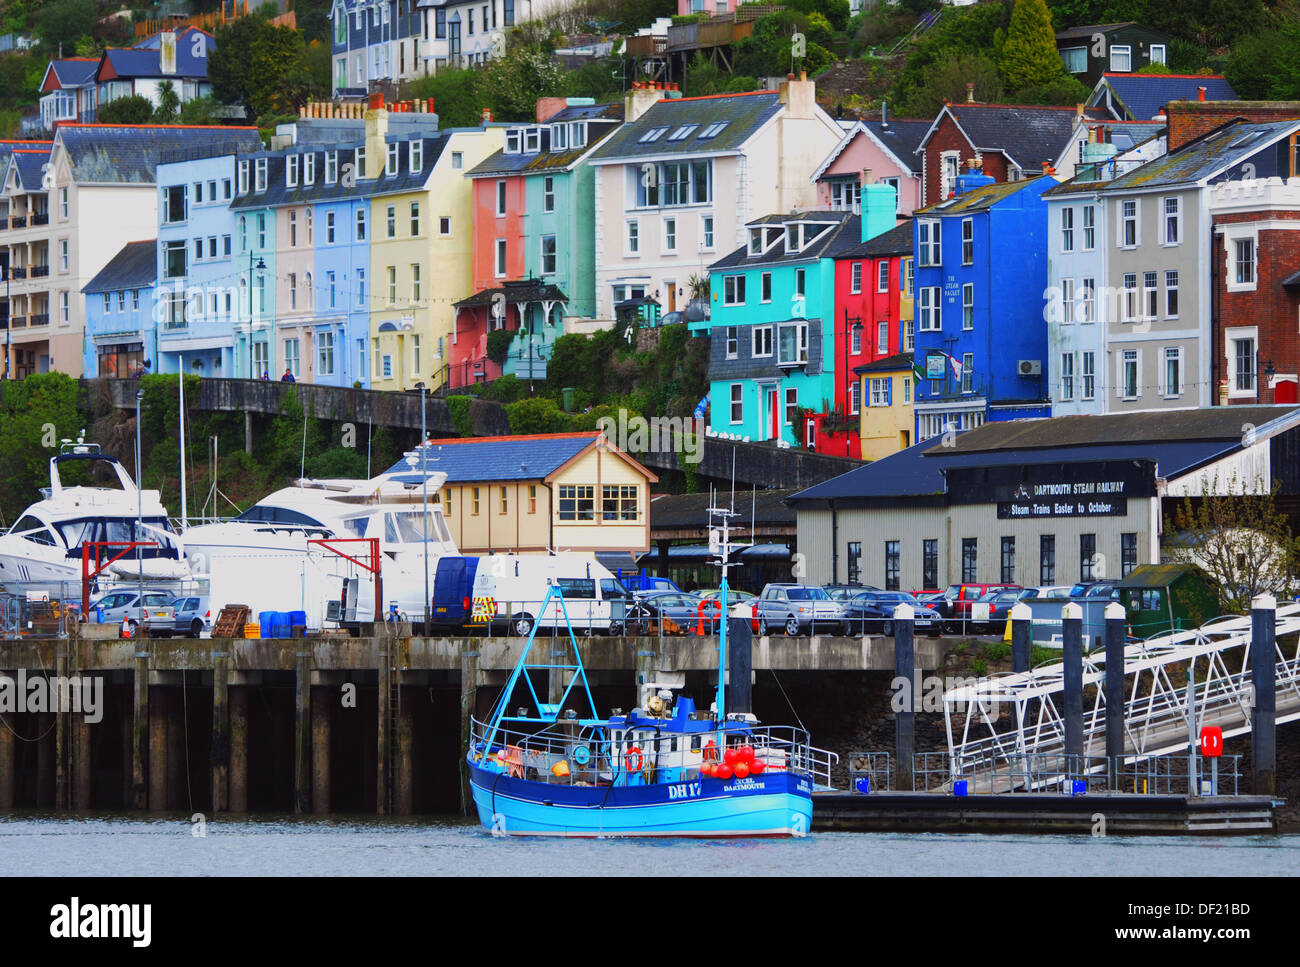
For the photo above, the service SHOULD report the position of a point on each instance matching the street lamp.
(856, 328)
(139, 514)
(259, 267)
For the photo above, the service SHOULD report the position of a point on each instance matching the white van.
(509, 590)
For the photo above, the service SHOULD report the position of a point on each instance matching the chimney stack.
(639, 100)
(167, 53)
(376, 133)
(970, 92)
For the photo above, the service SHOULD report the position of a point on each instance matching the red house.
(1012, 141)
(1256, 276)
(872, 320)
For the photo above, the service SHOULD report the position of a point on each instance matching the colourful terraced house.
(534, 259)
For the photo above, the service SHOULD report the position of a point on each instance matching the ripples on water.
(31, 843)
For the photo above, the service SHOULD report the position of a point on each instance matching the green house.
(1158, 598)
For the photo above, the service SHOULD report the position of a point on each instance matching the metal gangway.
(995, 724)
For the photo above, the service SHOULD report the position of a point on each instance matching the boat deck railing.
(571, 753)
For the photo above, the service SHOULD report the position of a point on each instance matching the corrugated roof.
(134, 267)
(743, 115)
(124, 153)
(1143, 95)
(1219, 149)
(501, 458)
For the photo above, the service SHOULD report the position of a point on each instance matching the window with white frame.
(1088, 388)
(792, 344)
(928, 248)
(882, 338)
(791, 404)
(879, 388)
(1067, 376)
(761, 341)
(633, 237)
(548, 193)
(331, 167)
(737, 402)
(1076, 59)
(548, 254)
(1241, 361)
(1067, 301)
(1172, 374)
(1130, 297)
(670, 235)
(1157, 53)
(882, 275)
(855, 392)
(706, 232)
(1173, 212)
(1243, 262)
(1171, 294)
(733, 290)
(845, 195)
(501, 198)
(928, 309)
(291, 361)
(765, 287)
(1089, 228)
(1130, 373)
(1121, 58)
(855, 277)
(325, 353)
(500, 258)
(1150, 296)
(1128, 223)
(1088, 301)
(1067, 229)
(733, 342)
(968, 305)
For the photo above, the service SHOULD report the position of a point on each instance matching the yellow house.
(421, 238)
(885, 424)
(531, 494)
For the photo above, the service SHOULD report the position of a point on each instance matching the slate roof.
(500, 163)
(142, 62)
(837, 238)
(277, 193)
(889, 364)
(1203, 158)
(500, 458)
(1178, 441)
(75, 71)
(525, 290)
(896, 241)
(1071, 33)
(903, 138)
(745, 114)
(134, 267)
(977, 199)
(1143, 95)
(183, 36)
(129, 153)
(689, 510)
(30, 163)
(1028, 135)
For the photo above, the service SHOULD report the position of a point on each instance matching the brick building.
(1013, 142)
(1188, 120)
(1257, 290)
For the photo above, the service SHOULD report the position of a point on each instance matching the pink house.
(714, 7)
(887, 149)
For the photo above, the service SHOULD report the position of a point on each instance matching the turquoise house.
(255, 243)
(776, 338)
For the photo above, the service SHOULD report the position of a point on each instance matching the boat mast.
(184, 505)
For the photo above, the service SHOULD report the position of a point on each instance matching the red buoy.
(723, 771)
(742, 769)
(757, 767)
(731, 756)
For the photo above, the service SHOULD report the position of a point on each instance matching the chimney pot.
(376, 102)
(970, 92)
(790, 76)
(803, 75)
(1200, 93)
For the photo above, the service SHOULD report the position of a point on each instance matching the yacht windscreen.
(89, 473)
(407, 527)
(262, 513)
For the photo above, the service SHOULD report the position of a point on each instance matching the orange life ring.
(640, 759)
(709, 604)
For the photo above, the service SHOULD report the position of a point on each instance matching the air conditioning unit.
(1031, 367)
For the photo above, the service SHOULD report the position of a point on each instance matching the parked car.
(509, 590)
(955, 604)
(741, 603)
(1047, 591)
(642, 583)
(873, 612)
(671, 612)
(193, 616)
(1095, 589)
(154, 610)
(844, 593)
(1000, 604)
(799, 608)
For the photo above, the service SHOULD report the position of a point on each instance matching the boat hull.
(774, 804)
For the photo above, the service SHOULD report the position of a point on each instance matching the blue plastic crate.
(960, 787)
(862, 784)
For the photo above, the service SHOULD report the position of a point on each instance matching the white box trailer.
(509, 590)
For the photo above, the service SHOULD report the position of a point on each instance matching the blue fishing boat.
(556, 768)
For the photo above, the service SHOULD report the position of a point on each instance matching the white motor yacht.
(43, 550)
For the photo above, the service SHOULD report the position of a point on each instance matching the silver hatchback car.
(799, 609)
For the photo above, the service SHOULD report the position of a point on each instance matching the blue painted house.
(121, 331)
(343, 290)
(981, 336)
(200, 297)
(255, 258)
(374, 40)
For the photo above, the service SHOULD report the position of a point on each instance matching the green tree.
(132, 109)
(35, 414)
(64, 23)
(1062, 90)
(168, 110)
(199, 110)
(455, 94)
(1029, 54)
(947, 80)
(259, 65)
(537, 415)
(1266, 66)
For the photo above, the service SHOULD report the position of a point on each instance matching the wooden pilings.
(239, 749)
(469, 671)
(320, 749)
(140, 733)
(220, 751)
(6, 763)
(382, 792)
(302, 771)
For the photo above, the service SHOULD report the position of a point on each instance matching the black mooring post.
(1021, 636)
(904, 677)
(1072, 679)
(740, 665)
(1263, 669)
(1113, 688)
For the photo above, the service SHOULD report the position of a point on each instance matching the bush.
(133, 109)
(1063, 90)
(498, 344)
(460, 418)
(507, 389)
(537, 415)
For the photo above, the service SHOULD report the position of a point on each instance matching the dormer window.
(792, 238)
(578, 134)
(393, 164)
(259, 175)
(512, 141)
(309, 169)
(243, 177)
(331, 167)
(532, 140)
(416, 159)
(291, 171)
(654, 134)
(682, 133)
(811, 232)
(559, 137)
(755, 241)
(359, 162)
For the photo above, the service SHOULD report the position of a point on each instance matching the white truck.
(509, 590)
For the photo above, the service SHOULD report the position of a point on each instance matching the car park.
(153, 610)
(844, 593)
(799, 609)
(872, 612)
(955, 604)
(672, 612)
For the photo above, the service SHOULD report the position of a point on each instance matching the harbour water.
(32, 843)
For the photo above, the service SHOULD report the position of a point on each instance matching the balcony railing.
(40, 271)
(39, 319)
(18, 271)
(645, 45)
(17, 322)
(41, 218)
(18, 221)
